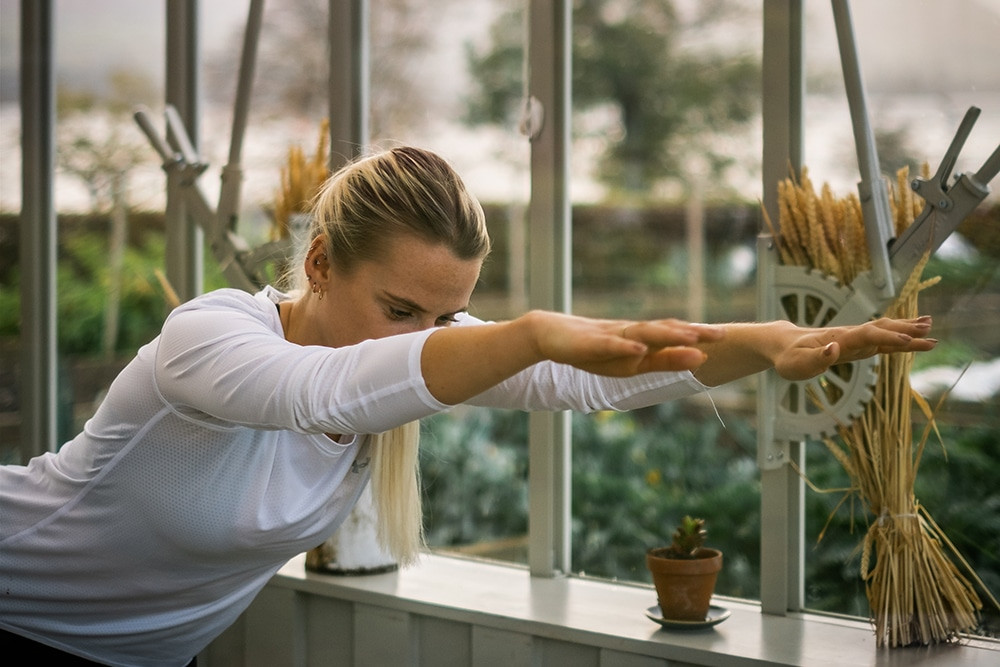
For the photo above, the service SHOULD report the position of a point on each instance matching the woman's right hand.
(620, 348)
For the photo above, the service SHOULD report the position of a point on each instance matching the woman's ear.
(317, 265)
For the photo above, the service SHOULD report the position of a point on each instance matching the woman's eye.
(446, 320)
(399, 314)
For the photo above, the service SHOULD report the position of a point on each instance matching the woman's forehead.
(427, 273)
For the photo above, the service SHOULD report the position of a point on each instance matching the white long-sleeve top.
(206, 468)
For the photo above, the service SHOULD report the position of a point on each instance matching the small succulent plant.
(688, 538)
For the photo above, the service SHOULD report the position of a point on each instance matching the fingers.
(813, 355)
(917, 327)
(885, 336)
(658, 360)
(672, 359)
(671, 342)
(667, 343)
(621, 347)
(670, 332)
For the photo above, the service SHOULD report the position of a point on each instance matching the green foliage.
(497, 73)
(474, 476)
(10, 305)
(636, 472)
(83, 280)
(976, 272)
(81, 306)
(633, 474)
(953, 353)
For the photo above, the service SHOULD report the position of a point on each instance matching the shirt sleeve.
(221, 360)
(225, 362)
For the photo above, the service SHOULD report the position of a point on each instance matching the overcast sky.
(93, 37)
(950, 42)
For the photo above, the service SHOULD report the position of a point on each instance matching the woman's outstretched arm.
(461, 362)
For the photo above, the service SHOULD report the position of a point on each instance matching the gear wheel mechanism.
(815, 408)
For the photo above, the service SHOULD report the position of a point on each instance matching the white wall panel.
(501, 648)
(611, 658)
(553, 653)
(329, 630)
(443, 642)
(271, 625)
(382, 637)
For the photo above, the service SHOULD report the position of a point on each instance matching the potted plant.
(684, 573)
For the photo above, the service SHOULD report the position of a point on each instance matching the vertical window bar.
(184, 239)
(782, 493)
(349, 80)
(548, 54)
(37, 233)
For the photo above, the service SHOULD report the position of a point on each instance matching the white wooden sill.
(611, 616)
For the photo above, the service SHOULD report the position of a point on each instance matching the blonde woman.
(244, 433)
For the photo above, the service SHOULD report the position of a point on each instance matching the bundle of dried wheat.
(300, 179)
(916, 593)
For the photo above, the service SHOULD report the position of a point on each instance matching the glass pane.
(110, 193)
(473, 461)
(665, 216)
(108, 184)
(916, 102)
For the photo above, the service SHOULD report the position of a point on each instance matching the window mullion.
(782, 493)
(548, 59)
(38, 231)
(184, 239)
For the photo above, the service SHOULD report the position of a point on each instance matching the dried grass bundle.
(916, 593)
(300, 179)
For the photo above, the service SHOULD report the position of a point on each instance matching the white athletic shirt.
(205, 469)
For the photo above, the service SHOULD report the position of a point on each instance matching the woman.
(242, 435)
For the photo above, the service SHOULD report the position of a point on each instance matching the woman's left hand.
(816, 350)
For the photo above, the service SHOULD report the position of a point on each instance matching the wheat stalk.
(916, 593)
(300, 179)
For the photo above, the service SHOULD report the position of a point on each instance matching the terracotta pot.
(684, 586)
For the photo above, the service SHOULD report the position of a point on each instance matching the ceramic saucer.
(716, 615)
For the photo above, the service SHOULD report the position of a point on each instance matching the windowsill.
(605, 614)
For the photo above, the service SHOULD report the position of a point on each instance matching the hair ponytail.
(395, 482)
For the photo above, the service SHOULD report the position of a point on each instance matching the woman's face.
(416, 285)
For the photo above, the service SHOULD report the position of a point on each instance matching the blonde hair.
(396, 491)
(357, 210)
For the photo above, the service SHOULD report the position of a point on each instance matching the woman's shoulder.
(230, 301)
(230, 297)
